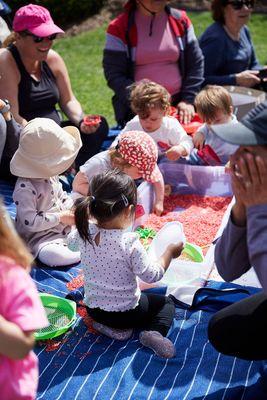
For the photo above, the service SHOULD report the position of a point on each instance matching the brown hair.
(217, 10)
(11, 245)
(110, 193)
(211, 99)
(146, 95)
(10, 39)
(117, 160)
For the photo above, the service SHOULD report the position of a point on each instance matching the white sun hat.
(45, 149)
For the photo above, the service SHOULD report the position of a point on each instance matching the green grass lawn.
(83, 56)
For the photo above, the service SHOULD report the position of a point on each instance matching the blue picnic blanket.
(85, 365)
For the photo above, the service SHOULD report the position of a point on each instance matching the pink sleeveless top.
(157, 55)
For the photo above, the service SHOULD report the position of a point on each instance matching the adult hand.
(247, 78)
(88, 129)
(186, 112)
(251, 179)
(238, 212)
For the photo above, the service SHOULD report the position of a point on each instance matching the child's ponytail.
(82, 214)
(111, 192)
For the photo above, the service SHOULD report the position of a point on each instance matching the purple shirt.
(239, 248)
(158, 52)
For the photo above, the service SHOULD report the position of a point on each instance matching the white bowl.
(170, 233)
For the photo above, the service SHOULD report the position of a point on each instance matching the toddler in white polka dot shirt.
(113, 258)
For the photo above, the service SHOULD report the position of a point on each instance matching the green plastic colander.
(61, 315)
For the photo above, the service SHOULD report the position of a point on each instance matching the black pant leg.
(154, 312)
(92, 143)
(240, 329)
(161, 310)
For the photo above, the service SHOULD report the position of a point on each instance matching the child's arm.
(181, 143)
(159, 196)
(198, 140)
(172, 251)
(14, 343)
(175, 152)
(152, 270)
(80, 184)
(34, 219)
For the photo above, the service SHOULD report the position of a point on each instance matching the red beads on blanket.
(201, 216)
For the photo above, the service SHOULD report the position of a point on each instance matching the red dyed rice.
(201, 217)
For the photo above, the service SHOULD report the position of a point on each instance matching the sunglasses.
(237, 4)
(38, 39)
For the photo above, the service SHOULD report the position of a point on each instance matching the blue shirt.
(225, 57)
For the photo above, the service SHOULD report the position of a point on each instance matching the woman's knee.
(222, 333)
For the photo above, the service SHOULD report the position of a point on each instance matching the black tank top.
(36, 98)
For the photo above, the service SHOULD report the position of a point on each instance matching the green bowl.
(193, 251)
(61, 315)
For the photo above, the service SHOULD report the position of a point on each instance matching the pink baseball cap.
(35, 19)
(140, 150)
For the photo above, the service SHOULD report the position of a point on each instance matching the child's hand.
(172, 251)
(227, 167)
(158, 208)
(67, 217)
(198, 140)
(175, 249)
(174, 153)
(167, 190)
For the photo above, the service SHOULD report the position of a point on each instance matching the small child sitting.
(135, 154)
(151, 102)
(44, 216)
(214, 106)
(21, 313)
(113, 259)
